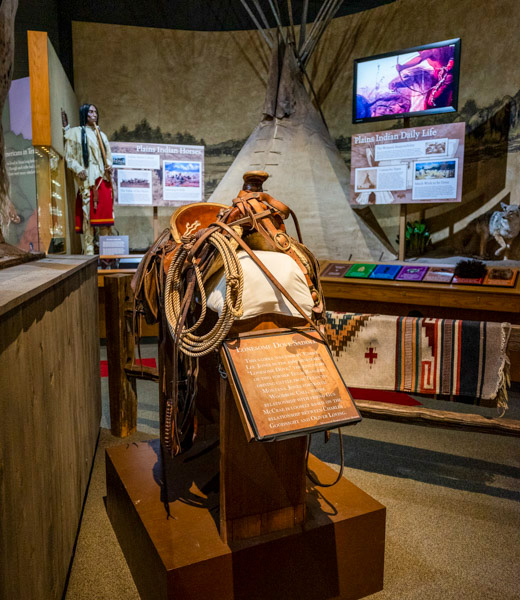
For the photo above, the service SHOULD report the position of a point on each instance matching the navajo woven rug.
(423, 356)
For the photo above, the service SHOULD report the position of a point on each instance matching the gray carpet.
(453, 502)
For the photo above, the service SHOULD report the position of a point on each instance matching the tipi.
(292, 143)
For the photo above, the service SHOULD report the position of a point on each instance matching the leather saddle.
(255, 220)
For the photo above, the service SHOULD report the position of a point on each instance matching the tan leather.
(198, 215)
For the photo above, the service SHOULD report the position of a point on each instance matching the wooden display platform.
(338, 553)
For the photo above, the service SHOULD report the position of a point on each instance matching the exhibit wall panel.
(208, 88)
(172, 87)
(20, 164)
(61, 96)
(50, 409)
(51, 92)
(489, 96)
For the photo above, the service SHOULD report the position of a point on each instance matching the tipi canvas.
(306, 170)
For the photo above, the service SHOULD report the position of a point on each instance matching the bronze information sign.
(287, 384)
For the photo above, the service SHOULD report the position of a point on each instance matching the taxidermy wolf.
(503, 225)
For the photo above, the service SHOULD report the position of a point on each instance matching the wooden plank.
(39, 83)
(21, 283)
(50, 410)
(142, 372)
(440, 418)
(339, 553)
(11, 261)
(257, 479)
(120, 350)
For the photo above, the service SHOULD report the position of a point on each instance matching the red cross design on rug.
(371, 355)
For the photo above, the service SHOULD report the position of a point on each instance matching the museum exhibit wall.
(51, 92)
(208, 88)
(34, 149)
(62, 96)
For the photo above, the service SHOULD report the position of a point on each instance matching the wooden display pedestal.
(338, 552)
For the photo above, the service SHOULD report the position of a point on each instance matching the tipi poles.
(303, 26)
(262, 14)
(291, 22)
(319, 28)
(262, 31)
(276, 12)
(316, 23)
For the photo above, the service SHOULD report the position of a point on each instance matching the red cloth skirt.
(104, 215)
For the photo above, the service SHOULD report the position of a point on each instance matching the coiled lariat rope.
(189, 343)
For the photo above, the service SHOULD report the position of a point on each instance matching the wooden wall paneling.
(50, 411)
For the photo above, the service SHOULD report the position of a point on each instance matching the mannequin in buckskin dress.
(88, 156)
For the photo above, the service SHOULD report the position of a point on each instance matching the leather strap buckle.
(281, 241)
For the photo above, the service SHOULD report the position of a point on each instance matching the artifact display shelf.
(495, 303)
(103, 270)
(436, 300)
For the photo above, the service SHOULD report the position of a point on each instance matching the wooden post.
(402, 232)
(120, 349)
(262, 485)
(402, 214)
(155, 223)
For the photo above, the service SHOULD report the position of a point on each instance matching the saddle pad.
(260, 295)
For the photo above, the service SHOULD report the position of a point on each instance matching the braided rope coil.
(190, 343)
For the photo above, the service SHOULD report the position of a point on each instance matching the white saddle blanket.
(260, 295)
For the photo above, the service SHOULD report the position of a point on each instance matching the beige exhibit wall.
(61, 96)
(172, 86)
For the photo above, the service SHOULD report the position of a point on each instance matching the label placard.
(287, 384)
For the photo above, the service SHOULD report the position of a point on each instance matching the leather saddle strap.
(269, 275)
(176, 428)
(270, 233)
(278, 206)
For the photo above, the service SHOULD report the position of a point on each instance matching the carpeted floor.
(453, 502)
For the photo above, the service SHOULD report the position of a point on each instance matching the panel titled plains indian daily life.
(401, 166)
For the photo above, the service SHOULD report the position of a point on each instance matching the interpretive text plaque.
(287, 384)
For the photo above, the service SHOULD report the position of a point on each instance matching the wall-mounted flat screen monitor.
(416, 81)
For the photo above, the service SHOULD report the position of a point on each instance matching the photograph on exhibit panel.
(134, 187)
(435, 179)
(148, 174)
(402, 166)
(182, 180)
